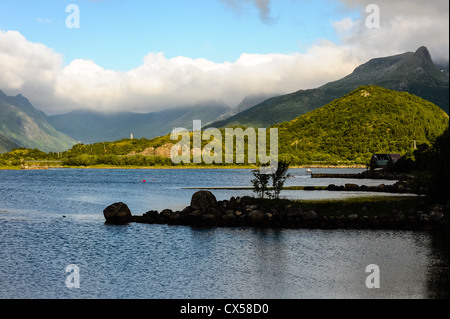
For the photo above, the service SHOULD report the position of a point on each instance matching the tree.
(260, 183)
(439, 168)
(430, 167)
(278, 178)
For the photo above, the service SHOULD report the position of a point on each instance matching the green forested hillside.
(368, 120)
(102, 153)
(346, 131)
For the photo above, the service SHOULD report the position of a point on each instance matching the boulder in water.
(117, 213)
(203, 200)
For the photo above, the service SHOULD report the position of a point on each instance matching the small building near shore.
(383, 160)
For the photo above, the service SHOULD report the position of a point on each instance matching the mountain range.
(90, 127)
(24, 126)
(346, 131)
(412, 72)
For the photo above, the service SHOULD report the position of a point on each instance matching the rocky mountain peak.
(423, 54)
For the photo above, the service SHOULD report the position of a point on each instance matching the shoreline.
(187, 167)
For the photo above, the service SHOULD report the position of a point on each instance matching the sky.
(147, 55)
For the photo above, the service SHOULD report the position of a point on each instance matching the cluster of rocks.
(398, 187)
(383, 174)
(246, 211)
(393, 220)
(163, 151)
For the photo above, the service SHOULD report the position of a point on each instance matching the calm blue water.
(172, 262)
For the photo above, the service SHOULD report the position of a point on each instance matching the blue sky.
(118, 34)
(143, 56)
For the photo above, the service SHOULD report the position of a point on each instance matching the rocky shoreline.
(206, 211)
(369, 174)
(399, 187)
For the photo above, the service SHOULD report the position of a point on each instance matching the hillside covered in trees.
(368, 120)
(346, 131)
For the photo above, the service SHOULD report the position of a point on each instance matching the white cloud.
(38, 73)
(26, 67)
(404, 26)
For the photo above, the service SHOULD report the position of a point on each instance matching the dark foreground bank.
(206, 211)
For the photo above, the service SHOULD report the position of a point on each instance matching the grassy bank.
(10, 167)
(368, 205)
(380, 206)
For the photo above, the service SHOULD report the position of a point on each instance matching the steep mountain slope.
(6, 144)
(28, 127)
(368, 120)
(409, 72)
(250, 101)
(91, 127)
(247, 103)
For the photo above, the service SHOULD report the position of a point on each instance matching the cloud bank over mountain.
(38, 72)
(404, 24)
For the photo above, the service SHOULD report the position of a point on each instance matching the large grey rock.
(203, 200)
(117, 213)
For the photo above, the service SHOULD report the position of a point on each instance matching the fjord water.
(52, 219)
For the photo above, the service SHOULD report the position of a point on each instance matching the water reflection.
(438, 270)
(271, 262)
